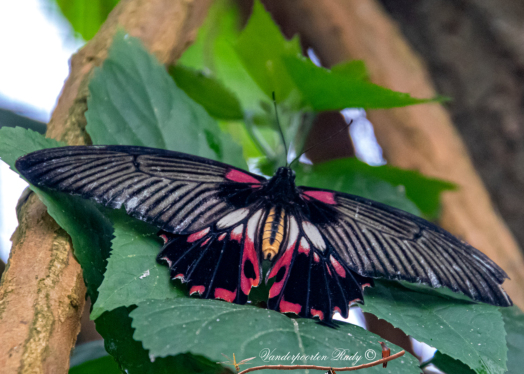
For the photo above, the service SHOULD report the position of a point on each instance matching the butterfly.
(220, 223)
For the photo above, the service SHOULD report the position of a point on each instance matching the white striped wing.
(177, 192)
(379, 241)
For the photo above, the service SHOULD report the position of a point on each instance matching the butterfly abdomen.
(273, 233)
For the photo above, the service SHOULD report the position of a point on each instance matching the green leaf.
(514, 324)
(449, 365)
(115, 327)
(106, 365)
(213, 52)
(134, 101)
(325, 90)
(219, 101)
(355, 69)
(132, 274)
(213, 327)
(86, 16)
(261, 47)
(471, 333)
(90, 231)
(355, 177)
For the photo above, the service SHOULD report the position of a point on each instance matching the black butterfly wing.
(177, 192)
(219, 261)
(379, 241)
(310, 278)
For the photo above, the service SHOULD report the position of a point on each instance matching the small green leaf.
(514, 324)
(132, 274)
(219, 101)
(213, 327)
(325, 90)
(213, 52)
(469, 332)
(261, 47)
(86, 16)
(358, 178)
(106, 365)
(134, 101)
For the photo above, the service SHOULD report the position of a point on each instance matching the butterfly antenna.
(278, 124)
(321, 142)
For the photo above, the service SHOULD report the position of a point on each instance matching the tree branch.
(42, 292)
(420, 137)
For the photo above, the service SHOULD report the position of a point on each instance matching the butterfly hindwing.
(310, 280)
(219, 261)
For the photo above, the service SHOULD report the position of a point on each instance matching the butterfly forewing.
(379, 241)
(174, 191)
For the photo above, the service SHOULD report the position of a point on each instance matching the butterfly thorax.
(281, 188)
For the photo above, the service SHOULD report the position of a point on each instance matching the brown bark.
(420, 137)
(475, 54)
(42, 292)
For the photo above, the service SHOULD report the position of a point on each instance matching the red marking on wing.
(337, 309)
(179, 276)
(164, 238)
(250, 254)
(315, 257)
(221, 293)
(303, 247)
(236, 234)
(199, 289)
(317, 313)
(283, 261)
(338, 268)
(329, 270)
(238, 176)
(205, 242)
(197, 235)
(324, 196)
(287, 307)
(365, 285)
(169, 262)
(221, 237)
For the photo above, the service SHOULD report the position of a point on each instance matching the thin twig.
(314, 367)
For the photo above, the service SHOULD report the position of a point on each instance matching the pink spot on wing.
(287, 307)
(229, 296)
(197, 289)
(338, 268)
(221, 237)
(197, 235)
(205, 242)
(240, 177)
(303, 247)
(337, 309)
(250, 255)
(236, 234)
(324, 196)
(164, 238)
(317, 313)
(365, 285)
(329, 270)
(179, 276)
(283, 262)
(315, 257)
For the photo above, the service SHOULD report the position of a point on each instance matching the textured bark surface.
(475, 54)
(42, 292)
(420, 137)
